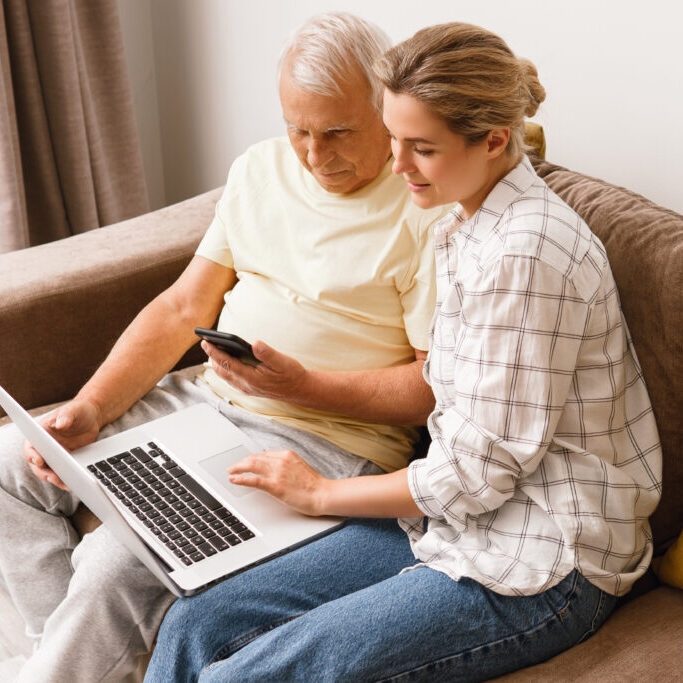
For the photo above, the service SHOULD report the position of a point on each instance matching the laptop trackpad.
(217, 465)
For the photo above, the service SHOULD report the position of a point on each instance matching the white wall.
(613, 71)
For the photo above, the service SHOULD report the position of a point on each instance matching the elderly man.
(316, 251)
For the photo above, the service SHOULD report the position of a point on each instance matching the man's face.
(340, 140)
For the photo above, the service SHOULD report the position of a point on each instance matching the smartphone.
(230, 343)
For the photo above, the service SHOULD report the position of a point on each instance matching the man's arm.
(149, 347)
(396, 395)
(158, 337)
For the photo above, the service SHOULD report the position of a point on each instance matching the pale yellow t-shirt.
(338, 282)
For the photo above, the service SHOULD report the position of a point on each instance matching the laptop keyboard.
(185, 517)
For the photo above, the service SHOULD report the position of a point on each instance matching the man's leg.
(217, 623)
(56, 591)
(36, 536)
(108, 619)
(420, 626)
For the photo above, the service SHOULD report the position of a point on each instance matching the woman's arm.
(285, 476)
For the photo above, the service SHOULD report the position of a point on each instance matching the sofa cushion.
(644, 244)
(641, 641)
(669, 569)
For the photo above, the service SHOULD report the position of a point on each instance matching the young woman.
(528, 516)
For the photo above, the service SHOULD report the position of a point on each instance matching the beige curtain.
(69, 153)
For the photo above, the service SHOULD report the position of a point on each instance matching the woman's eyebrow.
(424, 140)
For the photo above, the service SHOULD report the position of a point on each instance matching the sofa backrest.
(644, 244)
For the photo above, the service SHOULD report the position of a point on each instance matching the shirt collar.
(504, 193)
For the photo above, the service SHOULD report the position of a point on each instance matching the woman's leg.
(420, 626)
(217, 623)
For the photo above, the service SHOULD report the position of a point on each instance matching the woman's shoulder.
(539, 224)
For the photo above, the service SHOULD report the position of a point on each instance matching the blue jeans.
(338, 610)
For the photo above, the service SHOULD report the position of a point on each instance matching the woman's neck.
(499, 168)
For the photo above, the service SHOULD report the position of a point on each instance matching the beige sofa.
(62, 305)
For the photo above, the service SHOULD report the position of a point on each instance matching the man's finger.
(32, 455)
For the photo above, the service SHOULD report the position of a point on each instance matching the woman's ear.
(497, 141)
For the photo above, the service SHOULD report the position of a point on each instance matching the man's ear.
(497, 141)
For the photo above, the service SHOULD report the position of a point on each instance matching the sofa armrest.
(64, 304)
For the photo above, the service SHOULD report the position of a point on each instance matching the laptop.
(162, 489)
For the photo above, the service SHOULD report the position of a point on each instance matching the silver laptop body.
(227, 527)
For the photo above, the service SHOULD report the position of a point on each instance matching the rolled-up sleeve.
(502, 363)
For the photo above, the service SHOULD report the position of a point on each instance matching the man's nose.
(319, 153)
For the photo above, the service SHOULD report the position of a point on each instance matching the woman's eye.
(424, 152)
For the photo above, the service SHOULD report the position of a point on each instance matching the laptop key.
(186, 560)
(233, 540)
(177, 471)
(196, 557)
(140, 454)
(246, 534)
(204, 496)
(219, 543)
(207, 548)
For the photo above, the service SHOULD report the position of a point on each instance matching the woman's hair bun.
(533, 87)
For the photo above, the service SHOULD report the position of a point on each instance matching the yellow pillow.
(669, 569)
(534, 138)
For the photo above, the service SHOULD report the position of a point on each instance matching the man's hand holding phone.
(257, 371)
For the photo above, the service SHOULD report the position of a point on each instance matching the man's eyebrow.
(331, 129)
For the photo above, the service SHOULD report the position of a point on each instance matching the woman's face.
(438, 165)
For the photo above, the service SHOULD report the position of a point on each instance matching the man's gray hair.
(324, 49)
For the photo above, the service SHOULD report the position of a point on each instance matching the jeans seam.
(574, 591)
(238, 643)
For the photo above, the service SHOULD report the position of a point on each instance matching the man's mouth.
(330, 174)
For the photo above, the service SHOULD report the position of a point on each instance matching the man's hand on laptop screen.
(74, 424)
(277, 376)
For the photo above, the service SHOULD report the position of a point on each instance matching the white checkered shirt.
(545, 455)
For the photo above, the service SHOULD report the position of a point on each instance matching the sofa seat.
(635, 644)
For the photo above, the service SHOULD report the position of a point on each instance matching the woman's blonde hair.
(469, 77)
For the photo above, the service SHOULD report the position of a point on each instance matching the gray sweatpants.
(91, 607)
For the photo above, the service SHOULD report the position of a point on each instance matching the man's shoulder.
(262, 164)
